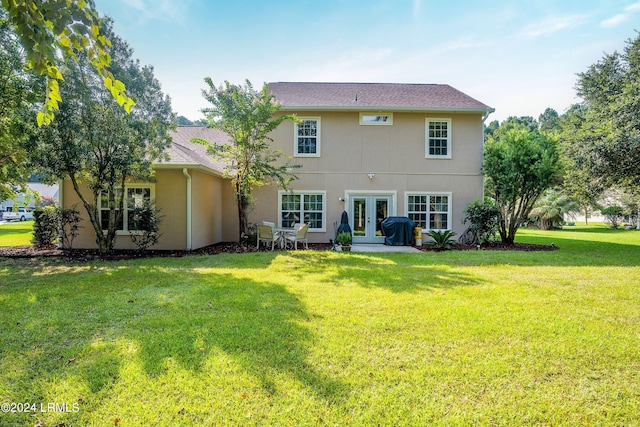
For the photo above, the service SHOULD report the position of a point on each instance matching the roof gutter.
(185, 172)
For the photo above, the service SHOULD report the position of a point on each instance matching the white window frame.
(302, 211)
(428, 121)
(428, 212)
(125, 231)
(318, 138)
(388, 122)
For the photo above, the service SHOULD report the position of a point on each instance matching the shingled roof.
(374, 96)
(186, 154)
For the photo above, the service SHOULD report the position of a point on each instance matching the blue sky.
(518, 57)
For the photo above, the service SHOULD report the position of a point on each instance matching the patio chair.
(266, 234)
(300, 236)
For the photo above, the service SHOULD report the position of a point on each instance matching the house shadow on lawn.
(397, 274)
(257, 324)
(162, 318)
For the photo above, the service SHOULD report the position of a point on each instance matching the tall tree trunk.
(586, 215)
(242, 211)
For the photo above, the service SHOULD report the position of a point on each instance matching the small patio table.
(281, 233)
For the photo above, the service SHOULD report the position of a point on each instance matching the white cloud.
(619, 18)
(162, 10)
(354, 65)
(462, 43)
(550, 26)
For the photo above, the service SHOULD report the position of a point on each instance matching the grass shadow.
(168, 315)
(395, 272)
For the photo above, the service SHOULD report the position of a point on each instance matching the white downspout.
(189, 225)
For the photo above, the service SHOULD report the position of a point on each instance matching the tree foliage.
(610, 89)
(551, 208)
(19, 90)
(519, 166)
(54, 30)
(484, 219)
(580, 182)
(95, 143)
(247, 116)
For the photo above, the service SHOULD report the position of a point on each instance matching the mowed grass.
(327, 338)
(16, 233)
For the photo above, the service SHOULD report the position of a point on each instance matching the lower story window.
(430, 211)
(136, 197)
(301, 207)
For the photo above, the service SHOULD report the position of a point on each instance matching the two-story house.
(373, 150)
(376, 150)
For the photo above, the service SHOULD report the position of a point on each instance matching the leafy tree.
(19, 90)
(183, 121)
(549, 120)
(247, 116)
(580, 182)
(613, 215)
(94, 142)
(491, 128)
(54, 30)
(519, 167)
(610, 89)
(551, 208)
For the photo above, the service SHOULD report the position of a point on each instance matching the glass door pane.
(359, 216)
(382, 211)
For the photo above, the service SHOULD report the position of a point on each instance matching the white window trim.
(302, 194)
(126, 187)
(295, 139)
(426, 134)
(387, 123)
(430, 193)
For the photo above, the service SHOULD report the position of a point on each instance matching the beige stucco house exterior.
(373, 150)
(196, 202)
(376, 150)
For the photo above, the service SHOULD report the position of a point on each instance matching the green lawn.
(16, 233)
(328, 338)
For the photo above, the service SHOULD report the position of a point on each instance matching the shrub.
(343, 238)
(613, 215)
(69, 223)
(441, 239)
(144, 224)
(484, 217)
(53, 224)
(45, 226)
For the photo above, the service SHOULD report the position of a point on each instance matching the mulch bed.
(237, 248)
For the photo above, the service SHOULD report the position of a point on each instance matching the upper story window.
(438, 144)
(376, 119)
(307, 137)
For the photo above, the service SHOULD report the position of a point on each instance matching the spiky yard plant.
(442, 239)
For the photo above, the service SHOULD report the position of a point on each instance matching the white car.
(22, 214)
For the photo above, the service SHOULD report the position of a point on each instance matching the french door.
(366, 213)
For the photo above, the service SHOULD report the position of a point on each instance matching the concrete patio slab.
(382, 248)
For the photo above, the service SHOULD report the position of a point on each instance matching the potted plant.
(344, 240)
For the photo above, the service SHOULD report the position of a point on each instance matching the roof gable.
(374, 96)
(184, 153)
